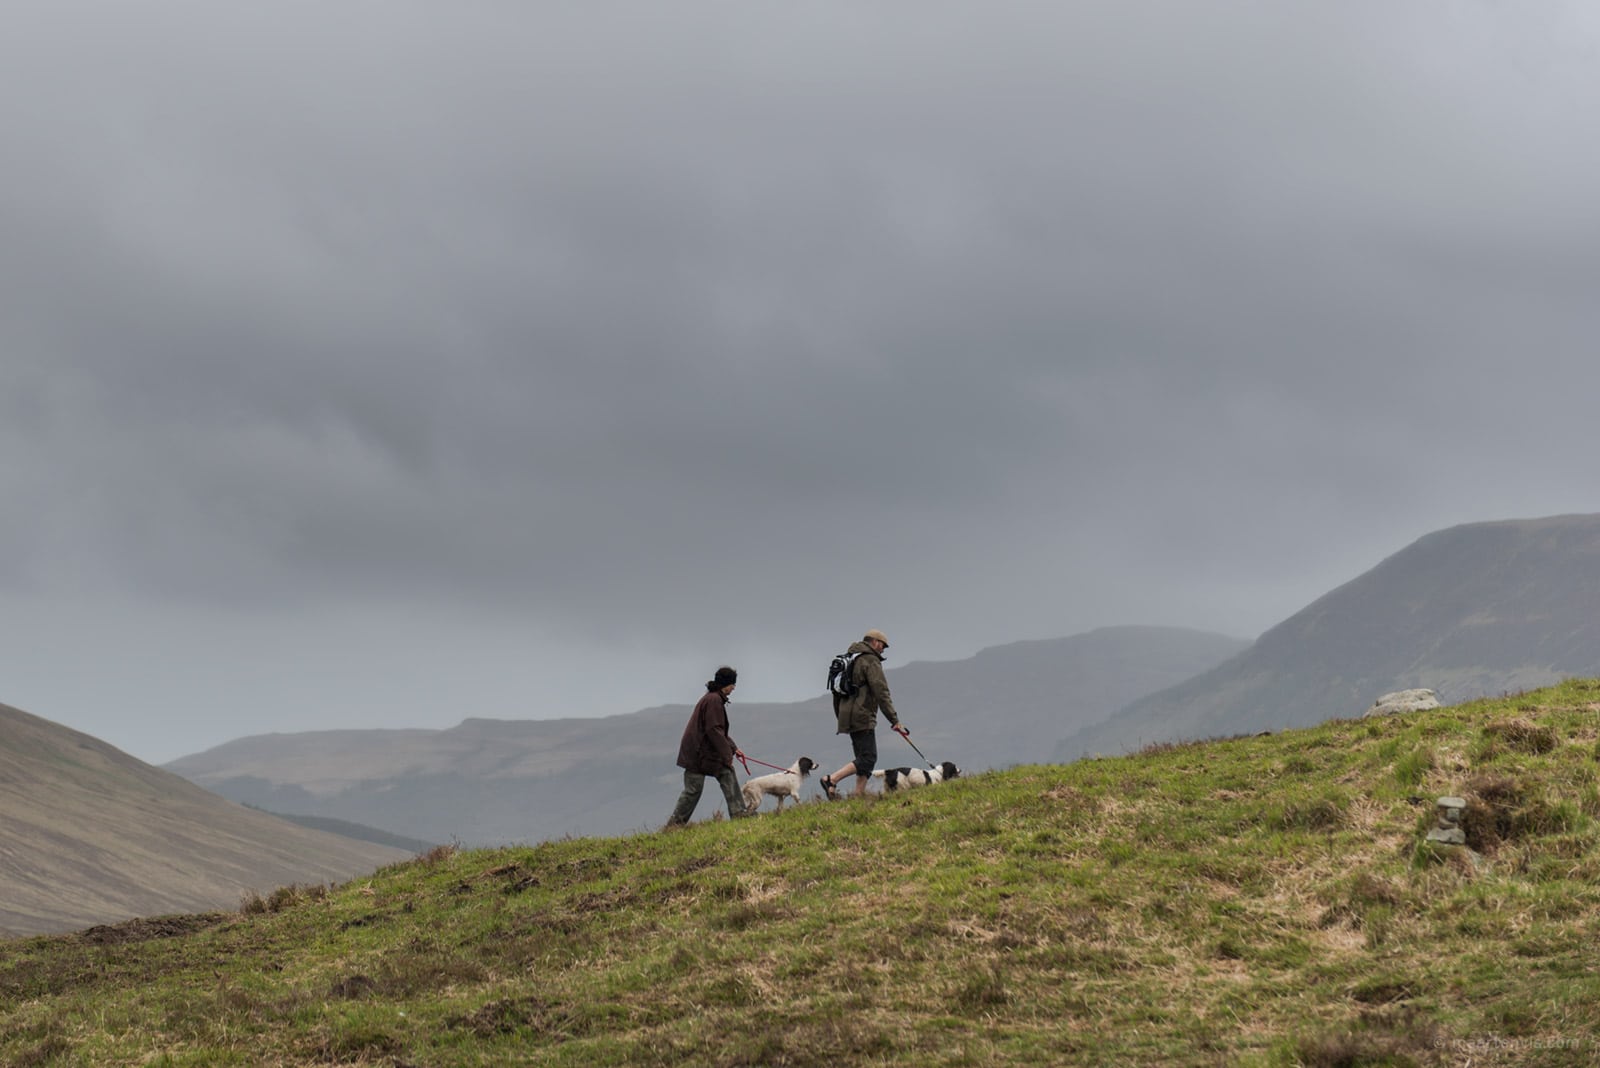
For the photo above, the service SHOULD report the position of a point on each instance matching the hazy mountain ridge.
(493, 781)
(359, 831)
(92, 835)
(1474, 610)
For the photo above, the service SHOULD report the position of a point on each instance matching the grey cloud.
(693, 331)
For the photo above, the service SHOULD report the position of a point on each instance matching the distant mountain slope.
(359, 831)
(1011, 703)
(496, 781)
(1472, 611)
(91, 835)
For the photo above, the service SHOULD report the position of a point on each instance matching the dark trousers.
(864, 744)
(694, 782)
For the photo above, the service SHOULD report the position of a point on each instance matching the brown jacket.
(706, 747)
(859, 712)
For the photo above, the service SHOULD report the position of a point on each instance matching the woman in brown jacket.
(706, 749)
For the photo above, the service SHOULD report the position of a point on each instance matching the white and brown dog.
(895, 778)
(779, 784)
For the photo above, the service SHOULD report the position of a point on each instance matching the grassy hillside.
(1263, 900)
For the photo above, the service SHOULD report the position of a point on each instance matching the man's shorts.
(865, 745)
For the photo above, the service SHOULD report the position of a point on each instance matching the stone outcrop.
(1403, 701)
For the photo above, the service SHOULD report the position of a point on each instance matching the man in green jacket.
(857, 715)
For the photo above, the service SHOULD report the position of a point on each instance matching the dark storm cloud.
(690, 332)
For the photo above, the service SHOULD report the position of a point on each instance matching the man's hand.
(902, 730)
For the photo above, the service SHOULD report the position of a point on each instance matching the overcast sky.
(374, 364)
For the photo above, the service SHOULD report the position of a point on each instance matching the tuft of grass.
(1372, 1040)
(1505, 808)
(1323, 810)
(284, 897)
(1519, 735)
(1410, 770)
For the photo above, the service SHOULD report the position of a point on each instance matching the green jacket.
(859, 712)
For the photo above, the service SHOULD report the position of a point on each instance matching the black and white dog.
(895, 778)
(779, 784)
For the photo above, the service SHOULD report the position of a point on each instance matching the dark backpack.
(841, 679)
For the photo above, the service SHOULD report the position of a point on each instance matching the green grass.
(1257, 901)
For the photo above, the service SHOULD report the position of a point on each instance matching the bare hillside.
(91, 835)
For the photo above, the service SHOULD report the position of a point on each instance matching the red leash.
(746, 762)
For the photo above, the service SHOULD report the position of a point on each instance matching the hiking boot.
(829, 789)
